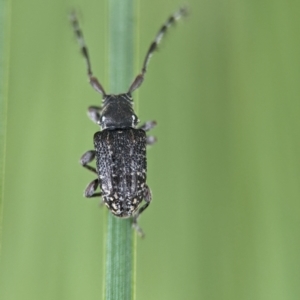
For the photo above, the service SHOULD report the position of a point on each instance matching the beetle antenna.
(154, 45)
(84, 50)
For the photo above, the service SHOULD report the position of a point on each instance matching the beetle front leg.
(86, 158)
(93, 114)
(147, 198)
(148, 125)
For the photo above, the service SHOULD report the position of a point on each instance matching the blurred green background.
(225, 173)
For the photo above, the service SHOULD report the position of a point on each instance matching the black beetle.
(120, 147)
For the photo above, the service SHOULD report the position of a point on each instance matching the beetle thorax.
(117, 112)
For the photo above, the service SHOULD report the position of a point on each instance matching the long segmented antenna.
(84, 50)
(154, 45)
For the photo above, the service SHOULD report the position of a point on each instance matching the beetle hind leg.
(91, 188)
(147, 198)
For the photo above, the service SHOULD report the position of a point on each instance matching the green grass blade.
(119, 244)
(4, 26)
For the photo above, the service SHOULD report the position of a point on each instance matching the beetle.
(120, 146)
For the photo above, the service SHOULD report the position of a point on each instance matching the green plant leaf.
(119, 242)
(4, 58)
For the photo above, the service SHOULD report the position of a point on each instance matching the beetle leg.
(150, 140)
(137, 228)
(147, 195)
(135, 224)
(86, 158)
(148, 125)
(93, 114)
(91, 188)
(147, 198)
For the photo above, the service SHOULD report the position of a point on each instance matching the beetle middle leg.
(86, 158)
(146, 127)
